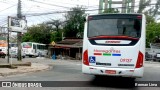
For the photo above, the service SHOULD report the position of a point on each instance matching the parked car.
(2, 54)
(149, 56)
(157, 57)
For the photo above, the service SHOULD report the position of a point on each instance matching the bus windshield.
(130, 27)
(27, 45)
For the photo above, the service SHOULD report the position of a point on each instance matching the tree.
(74, 21)
(153, 33)
(155, 11)
(142, 5)
(38, 33)
(56, 36)
(153, 28)
(149, 18)
(56, 23)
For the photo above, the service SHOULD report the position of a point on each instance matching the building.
(69, 48)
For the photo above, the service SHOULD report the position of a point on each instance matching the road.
(69, 70)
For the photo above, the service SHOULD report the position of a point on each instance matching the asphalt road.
(68, 70)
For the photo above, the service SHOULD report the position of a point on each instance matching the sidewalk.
(25, 66)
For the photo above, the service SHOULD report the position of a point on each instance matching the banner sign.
(17, 25)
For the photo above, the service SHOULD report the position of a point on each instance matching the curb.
(15, 65)
(23, 69)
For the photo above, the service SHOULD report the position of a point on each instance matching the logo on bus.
(110, 42)
(111, 52)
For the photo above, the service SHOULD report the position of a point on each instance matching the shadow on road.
(115, 82)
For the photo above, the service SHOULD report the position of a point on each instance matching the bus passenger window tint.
(114, 27)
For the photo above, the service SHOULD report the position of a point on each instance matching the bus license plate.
(110, 72)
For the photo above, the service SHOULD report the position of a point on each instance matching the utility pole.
(19, 37)
(8, 41)
(100, 6)
(106, 4)
(110, 4)
(123, 6)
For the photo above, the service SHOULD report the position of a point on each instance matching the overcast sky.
(9, 8)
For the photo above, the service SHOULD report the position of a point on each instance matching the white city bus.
(114, 45)
(34, 49)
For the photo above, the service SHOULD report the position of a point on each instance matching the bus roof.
(34, 43)
(115, 14)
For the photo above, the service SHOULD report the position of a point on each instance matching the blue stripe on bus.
(116, 54)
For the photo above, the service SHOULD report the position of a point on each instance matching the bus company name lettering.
(112, 41)
(108, 51)
(125, 60)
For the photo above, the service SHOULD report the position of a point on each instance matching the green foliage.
(74, 21)
(42, 34)
(149, 19)
(56, 36)
(26, 37)
(142, 5)
(56, 23)
(153, 31)
(111, 10)
(39, 33)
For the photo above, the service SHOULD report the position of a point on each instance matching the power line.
(65, 3)
(4, 24)
(62, 6)
(7, 8)
(57, 12)
(40, 8)
(50, 4)
(6, 2)
(3, 21)
(76, 4)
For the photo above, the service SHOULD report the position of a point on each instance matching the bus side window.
(34, 46)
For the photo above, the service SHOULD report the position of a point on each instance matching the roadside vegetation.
(73, 25)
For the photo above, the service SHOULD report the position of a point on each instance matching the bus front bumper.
(124, 72)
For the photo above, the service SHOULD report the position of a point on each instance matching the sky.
(30, 7)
